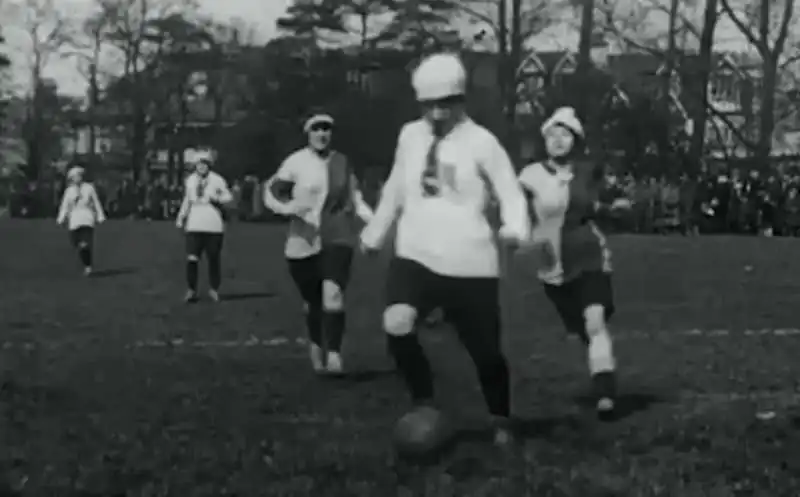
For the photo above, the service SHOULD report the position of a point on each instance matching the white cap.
(566, 117)
(75, 171)
(439, 76)
(317, 119)
(195, 155)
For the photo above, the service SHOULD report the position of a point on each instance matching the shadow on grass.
(112, 272)
(627, 404)
(364, 376)
(231, 297)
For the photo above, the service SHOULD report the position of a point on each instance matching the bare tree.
(509, 24)
(48, 30)
(87, 49)
(767, 30)
(129, 32)
(700, 112)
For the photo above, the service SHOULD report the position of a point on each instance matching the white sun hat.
(566, 117)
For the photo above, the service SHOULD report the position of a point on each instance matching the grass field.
(112, 387)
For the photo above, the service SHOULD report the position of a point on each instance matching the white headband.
(317, 119)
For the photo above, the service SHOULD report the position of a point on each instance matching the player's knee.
(192, 258)
(595, 319)
(332, 296)
(398, 319)
(83, 245)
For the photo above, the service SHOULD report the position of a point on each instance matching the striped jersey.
(566, 241)
(325, 199)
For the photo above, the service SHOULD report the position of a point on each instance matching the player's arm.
(63, 211)
(513, 206)
(390, 203)
(222, 194)
(526, 183)
(278, 190)
(185, 203)
(363, 210)
(98, 207)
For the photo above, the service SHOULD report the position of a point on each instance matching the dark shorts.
(573, 297)
(330, 264)
(81, 236)
(466, 302)
(198, 243)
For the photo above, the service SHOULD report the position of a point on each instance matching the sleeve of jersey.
(526, 182)
(278, 190)
(223, 194)
(185, 203)
(98, 206)
(391, 200)
(513, 206)
(63, 211)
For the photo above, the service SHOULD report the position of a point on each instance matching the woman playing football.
(573, 257)
(317, 188)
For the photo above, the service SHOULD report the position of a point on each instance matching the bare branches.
(47, 29)
(761, 44)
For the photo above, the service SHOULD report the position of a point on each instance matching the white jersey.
(448, 232)
(198, 214)
(80, 207)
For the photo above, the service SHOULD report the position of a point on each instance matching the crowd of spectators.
(735, 201)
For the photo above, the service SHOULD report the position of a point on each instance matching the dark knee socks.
(334, 325)
(215, 271)
(413, 365)
(314, 323)
(85, 255)
(191, 274)
(495, 384)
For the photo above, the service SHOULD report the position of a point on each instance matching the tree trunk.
(766, 117)
(585, 58)
(513, 62)
(665, 107)
(699, 109)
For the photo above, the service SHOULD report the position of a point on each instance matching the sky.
(260, 16)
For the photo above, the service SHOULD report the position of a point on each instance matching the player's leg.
(214, 255)
(82, 239)
(567, 302)
(472, 305)
(336, 264)
(597, 303)
(411, 291)
(194, 250)
(307, 278)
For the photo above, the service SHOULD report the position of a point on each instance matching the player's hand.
(512, 237)
(367, 243)
(179, 224)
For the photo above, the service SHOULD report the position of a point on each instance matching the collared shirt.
(80, 206)
(198, 210)
(442, 216)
